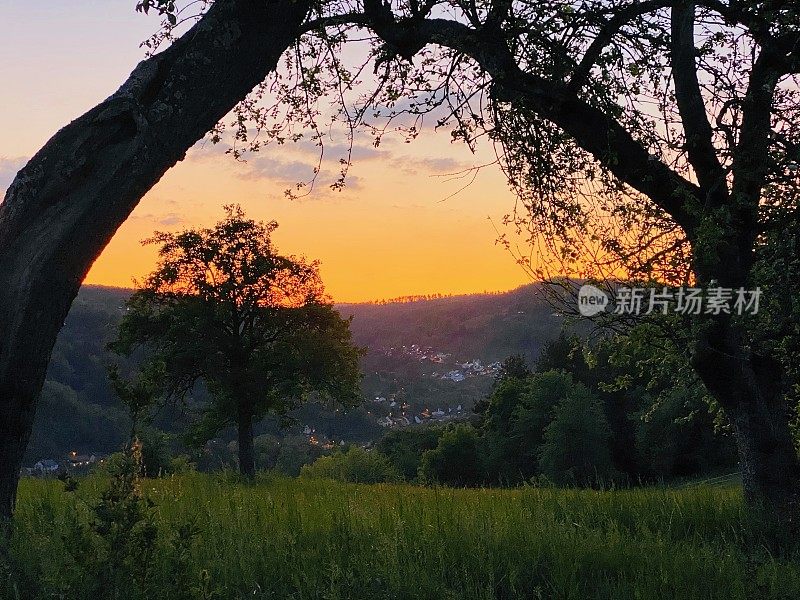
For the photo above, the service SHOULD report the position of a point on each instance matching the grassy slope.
(286, 538)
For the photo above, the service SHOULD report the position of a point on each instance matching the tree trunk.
(768, 461)
(12, 449)
(247, 459)
(749, 387)
(66, 203)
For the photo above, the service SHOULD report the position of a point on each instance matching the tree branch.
(696, 127)
(607, 33)
(595, 131)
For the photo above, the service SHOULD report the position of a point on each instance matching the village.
(449, 369)
(72, 463)
(390, 410)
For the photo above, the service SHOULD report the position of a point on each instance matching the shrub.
(155, 452)
(181, 465)
(294, 453)
(124, 551)
(356, 465)
(405, 447)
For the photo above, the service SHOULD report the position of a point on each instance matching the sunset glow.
(396, 230)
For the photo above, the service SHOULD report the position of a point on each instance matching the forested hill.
(488, 326)
(78, 410)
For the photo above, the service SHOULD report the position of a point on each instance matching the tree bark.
(247, 459)
(66, 203)
(750, 387)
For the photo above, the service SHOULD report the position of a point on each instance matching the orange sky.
(392, 232)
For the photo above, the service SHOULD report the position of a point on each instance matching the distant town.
(451, 369)
(389, 410)
(73, 462)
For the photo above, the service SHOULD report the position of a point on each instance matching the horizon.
(376, 301)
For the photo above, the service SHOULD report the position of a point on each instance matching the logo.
(591, 300)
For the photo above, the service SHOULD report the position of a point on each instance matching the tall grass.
(309, 539)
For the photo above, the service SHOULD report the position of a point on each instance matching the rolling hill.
(433, 354)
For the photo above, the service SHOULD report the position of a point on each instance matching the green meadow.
(318, 539)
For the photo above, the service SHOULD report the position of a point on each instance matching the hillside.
(427, 357)
(489, 326)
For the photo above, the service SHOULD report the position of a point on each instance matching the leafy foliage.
(355, 465)
(223, 307)
(514, 423)
(456, 460)
(122, 550)
(405, 448)
(575, 447)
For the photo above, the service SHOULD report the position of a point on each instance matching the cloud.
(361, 151)
(287, 173)
(163, 220)
(171, 219)
(271, 168)
(291, 163)
(432, 165)
(8, 170)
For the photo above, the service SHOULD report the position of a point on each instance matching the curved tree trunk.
(66, 203)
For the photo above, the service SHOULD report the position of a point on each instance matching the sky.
(396, 230)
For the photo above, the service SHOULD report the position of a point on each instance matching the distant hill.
(78, 410)
(487, 326)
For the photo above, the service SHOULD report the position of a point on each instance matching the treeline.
(424, 297)
(624, 409)
(79, 411)
(584, 415)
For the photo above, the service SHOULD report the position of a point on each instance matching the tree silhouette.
(223, 307)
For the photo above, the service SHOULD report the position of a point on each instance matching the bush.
(123, 551)
(155, 452)
(294, 453)
(181, 465)
(405, 447)
(576, 443)
(356, 465)
(456, 460)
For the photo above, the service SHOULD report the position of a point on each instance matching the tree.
(223, 307)
(685, 191)
(678, 428)
(513, 367)
(661, 135)
(138, 394)
(565, 353)
(575, 449)
(456, 460)
(405, 447)
(64, 206)
(514, 422)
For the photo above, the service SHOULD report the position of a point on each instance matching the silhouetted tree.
(456, 460)
(223, 307)
(64, 206)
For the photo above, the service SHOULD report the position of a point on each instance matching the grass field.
(284, 538)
